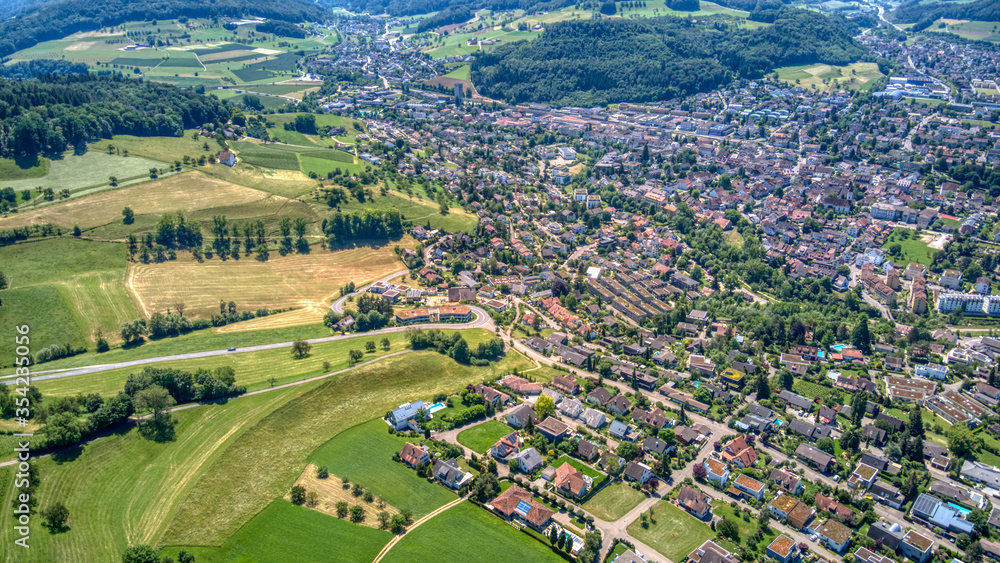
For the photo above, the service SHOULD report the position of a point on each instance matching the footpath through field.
(414, 526)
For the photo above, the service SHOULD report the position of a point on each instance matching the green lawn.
(364, 455)
(614, 501)
(87, 173)
(912, 249)
(479, 438)
(747, 529)
(467, 534)
(811, 390)
(286, 532)
(585, 469)
(674, 533)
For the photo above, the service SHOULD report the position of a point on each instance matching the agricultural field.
(198, 53)
(363, 454)
(974, 30)
(481, 437)
(84, 174)
(673, 532)
(471, 534)
(190, 192)
(295, 280)
(23, 168)
(856, 76)
(266, 459)
(123, 488)
(286, 532)
(307, 159)
(614, 501)
(80, 284)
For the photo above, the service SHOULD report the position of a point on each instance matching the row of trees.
(368, 224)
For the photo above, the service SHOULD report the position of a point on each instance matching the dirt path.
(414, 526)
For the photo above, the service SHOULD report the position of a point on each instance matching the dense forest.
(38, 67)
(50, 113)
(926, 14)
(602, 61)
(70, 16)
(369, 224)
(448, 16)
(414, 7)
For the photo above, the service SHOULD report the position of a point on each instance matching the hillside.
(67, 17)
(923, 15)
(85, 107)
(596, 62)
(416, 7)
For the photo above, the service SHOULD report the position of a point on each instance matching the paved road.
(482, 320)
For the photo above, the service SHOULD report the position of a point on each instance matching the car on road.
(813, 538)
(233, 349)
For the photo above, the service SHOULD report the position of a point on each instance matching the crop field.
(190, 191)
(296, 280)
(375, 470)
(285, 532)
(266, 459)
(471, 535)
(673, 532)
(974, 30)
(294, 157)
(78, 284)
(856, 76)
(479, 438)
(124, 489)
(614, 501)
(86, 173)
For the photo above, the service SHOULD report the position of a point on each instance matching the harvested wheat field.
(331, 490)
(296, 280)
(191, 191)
(308, 315)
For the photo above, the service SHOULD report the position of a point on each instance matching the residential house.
(836, 535)
(587, 450)
(716, 471)
(414, 455)
(887, 494)
(450, 474)
(571, 482)
(783, 549)
(788, 482)
(521, 415)
(738, 452)
(695, 501)
(940, 514)
(405, 415)
(711, 552)
(517, 504)
(528, 460)
(566, 384)
(818, 459)
(750, 486)
(638, 472)
(507, 446)
(553, 429)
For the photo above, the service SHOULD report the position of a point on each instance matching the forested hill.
(414, 7)
(66, 17)
(926, 14)
(52, 113)
(597, 62)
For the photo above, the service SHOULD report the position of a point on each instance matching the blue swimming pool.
(436, 407)
(820, 354)
(962, 509)
(839, 347)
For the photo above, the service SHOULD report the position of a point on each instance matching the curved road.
(482, 320)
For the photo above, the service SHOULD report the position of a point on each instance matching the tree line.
(50, 113)
(448, 16)
(595, 62)
(368, 224)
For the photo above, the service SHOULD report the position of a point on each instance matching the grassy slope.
(467, 534)
(124, 489)
(267, 459)
(364, 455)
(285, 532)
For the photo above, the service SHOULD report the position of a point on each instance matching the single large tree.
(56, 516)
(862, 337)
(301, 348)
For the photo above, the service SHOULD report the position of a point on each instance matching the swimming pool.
(962, 509)
(436, 407)
(839, 347)
(819, 354)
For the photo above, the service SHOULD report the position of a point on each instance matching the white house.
(936, 371)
